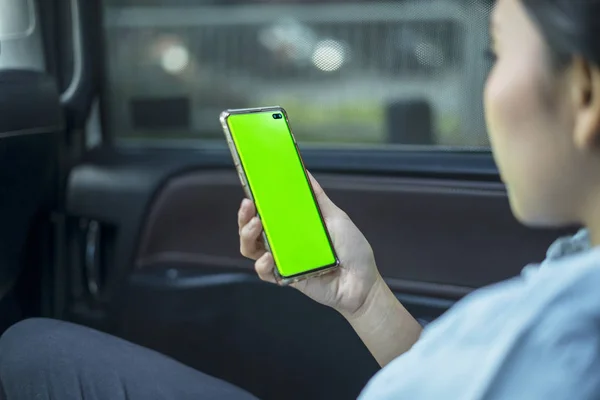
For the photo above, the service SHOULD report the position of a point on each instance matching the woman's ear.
(586, 101)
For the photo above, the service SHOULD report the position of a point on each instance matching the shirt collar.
(569, 245)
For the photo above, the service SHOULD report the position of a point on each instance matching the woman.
(532, 337)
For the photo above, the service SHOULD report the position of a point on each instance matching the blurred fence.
(340, 69)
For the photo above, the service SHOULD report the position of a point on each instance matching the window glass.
(17, 19)
(357, 73)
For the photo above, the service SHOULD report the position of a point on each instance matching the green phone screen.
(282, 193)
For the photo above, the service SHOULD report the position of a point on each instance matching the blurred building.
(348, 72)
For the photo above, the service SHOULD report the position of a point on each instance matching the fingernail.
(245, 202)
(255, 221)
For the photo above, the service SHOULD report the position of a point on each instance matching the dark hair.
(570, 28)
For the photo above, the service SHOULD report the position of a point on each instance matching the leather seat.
(31, 126)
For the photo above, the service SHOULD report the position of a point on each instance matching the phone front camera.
(277, 116)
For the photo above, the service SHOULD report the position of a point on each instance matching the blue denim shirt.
(536, 336)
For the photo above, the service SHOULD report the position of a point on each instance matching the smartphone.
(273, 175)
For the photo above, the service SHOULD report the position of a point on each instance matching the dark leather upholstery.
(30, 126)
(29, 103)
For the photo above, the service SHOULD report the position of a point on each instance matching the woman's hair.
(570, 28)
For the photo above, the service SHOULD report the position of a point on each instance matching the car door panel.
(173, 278)
(410, 222)
(186, 214)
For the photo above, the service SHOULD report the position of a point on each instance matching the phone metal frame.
(281, 280)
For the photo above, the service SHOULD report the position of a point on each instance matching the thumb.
(328, 208)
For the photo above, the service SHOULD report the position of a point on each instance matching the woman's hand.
(345, 289)
(356, 289)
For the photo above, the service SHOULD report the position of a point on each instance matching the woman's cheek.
(519, 128)
(510, 112)
(493, 117)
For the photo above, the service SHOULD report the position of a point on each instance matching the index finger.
(325, 203)
(316, 186)
(246, 213)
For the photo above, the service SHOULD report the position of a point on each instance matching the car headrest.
(29, 103)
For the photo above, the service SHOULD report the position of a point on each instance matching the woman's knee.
(34, 342)
(43, 357)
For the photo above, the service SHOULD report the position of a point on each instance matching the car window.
(367, 73)
(20, 36)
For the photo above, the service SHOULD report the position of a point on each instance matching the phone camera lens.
(277, 116)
